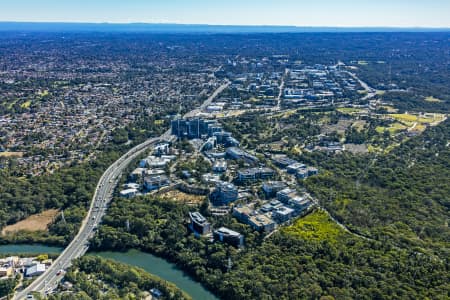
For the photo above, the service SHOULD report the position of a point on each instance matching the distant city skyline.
(343, 13)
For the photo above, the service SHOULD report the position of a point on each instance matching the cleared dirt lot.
(37, 222)
(178, 196)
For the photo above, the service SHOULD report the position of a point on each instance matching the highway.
(99, 205)
(208, 101)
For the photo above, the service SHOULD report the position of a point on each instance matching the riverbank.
(148, 262)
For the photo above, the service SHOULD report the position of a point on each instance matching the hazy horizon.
(322, 13)
(216, 25)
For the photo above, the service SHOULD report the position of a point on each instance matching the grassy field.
(11, 154)
(44, 93)
(37, 222)
(26, 104)
(432, 99)
(315, 226)
(350, 110)
(409, 119)
(389, 109)
(11, 104)
(373, 149)
(393, 128)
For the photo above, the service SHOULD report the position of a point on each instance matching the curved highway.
(102, 196)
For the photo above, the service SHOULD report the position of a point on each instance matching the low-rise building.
(199, 225)
(300, 203)
(235, 153)
(312, 171)
(224, 193)
(157, 294)
(162, 149)
(283, 214)
(229, 236)
(6, 271)
(254, 174)
(302, 173)
(156, 182)
(294, 168)
(243, 213)
(231, 142)
(272, 187)
(131, 186)
(220, 166)
(211, 178)
(306, 172)
(271, 206)
(283, 161)
(26, 262)
(35, 270)
(262, 223)
(210, 144)
(155, 162)
(137, 174)
(128, 193)
(286, 194)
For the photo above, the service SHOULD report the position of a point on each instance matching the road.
(79, 245)
(102, 196)
(280, 94)
(371, 92)
(208, 101)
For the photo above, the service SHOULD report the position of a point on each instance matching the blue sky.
(342, 13)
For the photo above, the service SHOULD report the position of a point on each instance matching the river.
(148, 262)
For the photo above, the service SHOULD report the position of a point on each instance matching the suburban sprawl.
(288, 166)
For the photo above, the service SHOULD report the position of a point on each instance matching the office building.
(272, 187)
(224, 194)
(283, 214)
(156, 182)
(199, 225)
(228, 236)
(254, 174)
